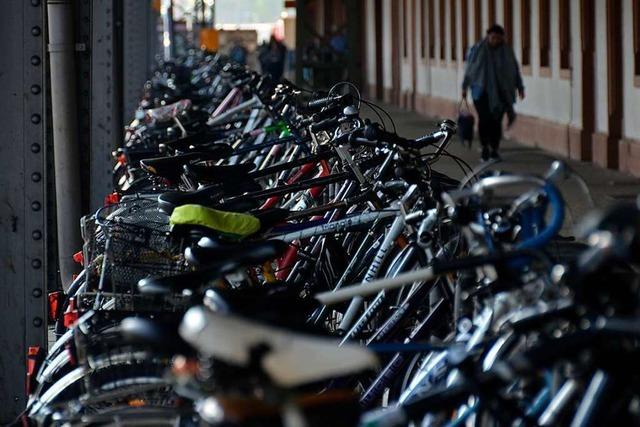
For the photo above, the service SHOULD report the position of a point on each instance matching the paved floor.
(606, 186)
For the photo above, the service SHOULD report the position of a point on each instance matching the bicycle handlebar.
(318, 104)
(555, 223)
(494, 182)
(553, 194)
(447, 129)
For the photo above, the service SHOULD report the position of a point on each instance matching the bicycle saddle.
(172, 167)
(153, 333)
(133, 156)
(201, 142)
(174, 284)
(216, 174)
(233, 226)
(165, 113)
(262, 252)
(244, 252)
(208, 195)
(266, 304)
(289, 359)
(268, 219)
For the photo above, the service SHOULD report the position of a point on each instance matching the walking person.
(238, 52)
(493, 75)
(272, 57)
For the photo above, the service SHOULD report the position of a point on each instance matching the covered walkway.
(607, 186)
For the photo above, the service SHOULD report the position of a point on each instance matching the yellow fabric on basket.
(233, 224)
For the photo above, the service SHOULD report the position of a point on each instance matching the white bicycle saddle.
(292, 359)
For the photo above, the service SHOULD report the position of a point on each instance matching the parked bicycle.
(271, 257)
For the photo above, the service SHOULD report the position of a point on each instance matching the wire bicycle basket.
(137, 245)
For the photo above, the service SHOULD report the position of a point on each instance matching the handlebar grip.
(431, 138)
(324, 125)
(320, 103)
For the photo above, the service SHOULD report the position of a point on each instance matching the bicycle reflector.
(35, 356)
(79, 257)
(55, 305)
(111, 199)
(70, 315)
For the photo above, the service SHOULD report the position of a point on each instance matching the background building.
(580, 62)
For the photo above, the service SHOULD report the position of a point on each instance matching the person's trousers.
(489, 126)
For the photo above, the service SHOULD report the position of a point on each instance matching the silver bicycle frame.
(338, 226)
(394, 232)
(253, 102)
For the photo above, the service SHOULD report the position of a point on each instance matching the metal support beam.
(106, 96)
(23, 208)
(27, 217)
(139, 38)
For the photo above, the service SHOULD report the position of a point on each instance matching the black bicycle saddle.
(172, 167)
(206, 196)
(202, 140)
(210, 197)
(232, 261)
(217, 174)
(157, 334)
(244, 253)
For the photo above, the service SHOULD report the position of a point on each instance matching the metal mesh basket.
(136, 244)
(138, 303)
(92, 249)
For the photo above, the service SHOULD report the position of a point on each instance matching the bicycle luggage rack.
(136, 303)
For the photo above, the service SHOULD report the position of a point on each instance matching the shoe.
(485, 154)
(495, 156)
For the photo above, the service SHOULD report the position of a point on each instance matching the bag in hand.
(466, 122)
